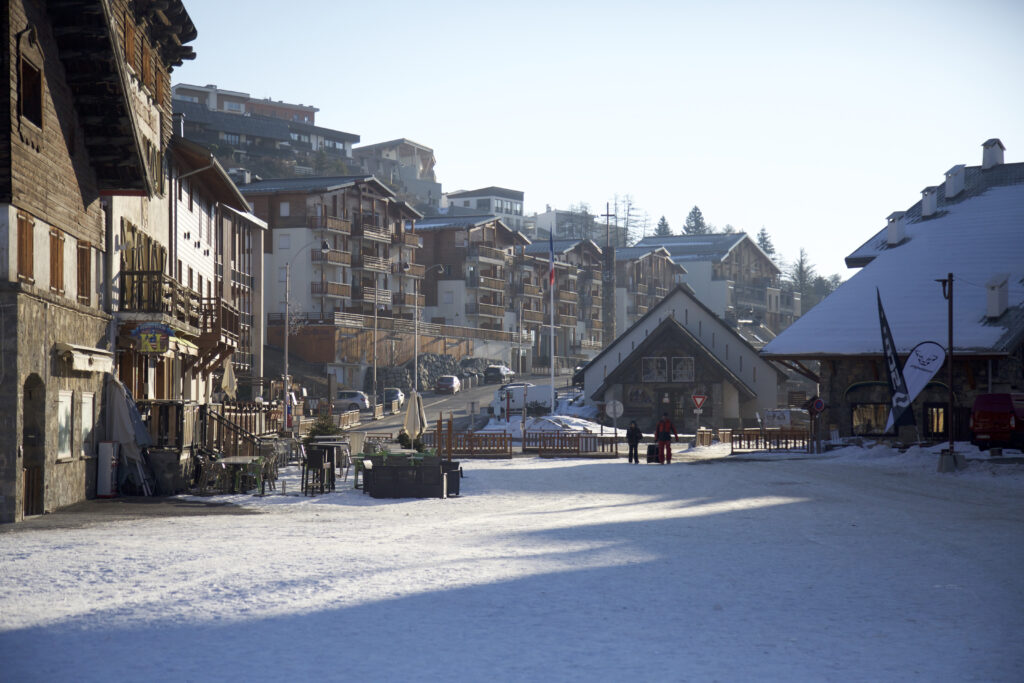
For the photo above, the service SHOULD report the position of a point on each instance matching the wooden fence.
(570, 443)
(755, 439)
(469, 443)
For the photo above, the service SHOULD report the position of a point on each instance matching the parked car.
(998, 420)
(498, 374)
(394, 394)
(348, 399)
(447, 384)
(787, 418)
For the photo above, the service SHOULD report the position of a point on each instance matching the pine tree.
(662, 230)
(695, 224)
(765, 242)
(802, 274)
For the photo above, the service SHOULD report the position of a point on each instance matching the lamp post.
(324, 248)
(416, 322)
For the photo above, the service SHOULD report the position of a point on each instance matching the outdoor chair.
(314, 471)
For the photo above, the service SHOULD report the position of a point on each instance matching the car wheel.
(353, 406)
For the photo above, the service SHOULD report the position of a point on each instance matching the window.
(934, 419)
(284, 209)
(84, 272)
(282, 274)
(56, 261)
(230, 138)
(654, 370)
(448, 297)
(87, 411)
(64, 424)
(233, 106)
(682, 369)
(869, 418)
(31, 93)
(284, 241)
(26, 257)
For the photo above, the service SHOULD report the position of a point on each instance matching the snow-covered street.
(861, 565)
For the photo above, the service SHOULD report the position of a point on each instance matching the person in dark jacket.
(633, 437)
(664, 433)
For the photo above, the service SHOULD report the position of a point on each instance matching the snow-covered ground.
(859, 565)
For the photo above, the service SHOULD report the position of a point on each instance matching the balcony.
(530, 290)
(533, 316)
(331, 224)
(409, 239)
(152, 292)
(591, 345)
(484, 282)
(374, 263)
(413, 270)
(335, 257)
(333, 289)
(372, 295)
(596, 325)
(489, 310)
(371, 231)
(641, 288)
(569, 296)
(406, 299)
(567, 320)
(490, 254)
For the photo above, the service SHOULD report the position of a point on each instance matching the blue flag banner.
(897, 385)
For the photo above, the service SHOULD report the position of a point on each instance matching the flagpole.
(551, 287)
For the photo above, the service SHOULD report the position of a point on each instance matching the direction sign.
(698, 400)
(614, 409)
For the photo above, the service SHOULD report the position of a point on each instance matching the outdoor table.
(237, 464)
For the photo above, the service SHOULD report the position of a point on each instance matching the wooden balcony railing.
(331, 224)
(596, 325)
(478, 251)
(531, 290)
(484, 282)
(371, 231)
(333, 289)
(412, 269)
(409, 239)
(153, 291)
(641, 288)
(407, 299)
(374, 263)
(220, 319)
(372, 295)
(533, 316)
(335, 257)
(566, 295)
(567, 320)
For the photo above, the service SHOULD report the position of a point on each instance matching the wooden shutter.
(84, 272)
(26, 257)
(56, 261)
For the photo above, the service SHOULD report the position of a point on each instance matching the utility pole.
(608, 279)
(947, 294)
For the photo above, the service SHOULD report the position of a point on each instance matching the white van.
(511, 396)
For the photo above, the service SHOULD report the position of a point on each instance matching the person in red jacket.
(664, 433)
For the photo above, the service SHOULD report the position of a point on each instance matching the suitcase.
(652, 453)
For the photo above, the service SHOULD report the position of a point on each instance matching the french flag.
(551, 256)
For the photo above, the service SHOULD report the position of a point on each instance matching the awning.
(85, 358)
(184, 346)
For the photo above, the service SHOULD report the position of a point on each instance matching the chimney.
(954, 181)
(992, 153)
(929, 201)
(895, 231)
(998, 295)
(178, 124)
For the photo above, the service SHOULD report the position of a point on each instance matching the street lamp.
(416, 321)
(324, 248)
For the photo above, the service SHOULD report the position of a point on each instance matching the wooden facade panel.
(55, 182)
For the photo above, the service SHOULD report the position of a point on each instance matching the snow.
(976, 239)
(861, 564)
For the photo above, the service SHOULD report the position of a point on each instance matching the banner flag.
(924, 361)
(551, 255)
(897, 384)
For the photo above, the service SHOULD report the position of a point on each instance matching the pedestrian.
(633, 437)
(664, 433)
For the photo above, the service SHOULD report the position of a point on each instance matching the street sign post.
(614, 410)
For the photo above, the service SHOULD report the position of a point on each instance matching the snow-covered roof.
(974, 238)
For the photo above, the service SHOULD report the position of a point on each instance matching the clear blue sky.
(813, 119)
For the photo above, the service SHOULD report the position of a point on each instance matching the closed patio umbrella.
(415, 418)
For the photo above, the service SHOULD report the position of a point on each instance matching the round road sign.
(613, 409)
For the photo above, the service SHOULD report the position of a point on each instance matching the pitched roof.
(977, 181)
(310, 184)
(250, 126)
(714, 247)
(637, 252)
(541, 248)
(973, 237)
(489, 192)
(391, 143)
(455, 222)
